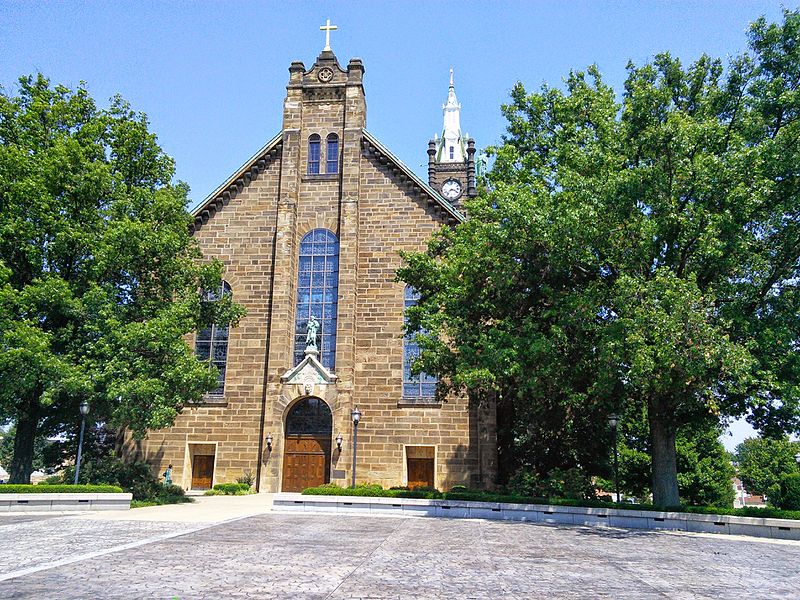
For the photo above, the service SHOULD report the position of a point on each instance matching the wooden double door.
(306, 461)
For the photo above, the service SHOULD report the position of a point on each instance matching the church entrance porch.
(307, 449)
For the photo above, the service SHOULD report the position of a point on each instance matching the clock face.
(451, 189)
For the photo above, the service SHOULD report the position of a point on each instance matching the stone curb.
(783, 529)
(67, 502)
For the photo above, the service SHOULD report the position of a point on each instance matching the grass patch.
(20, 488)
(481, 496)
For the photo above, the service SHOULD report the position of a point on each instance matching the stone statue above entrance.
(311, 336)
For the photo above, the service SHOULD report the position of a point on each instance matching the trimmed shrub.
(41, 488)
(372, 490)
(229, 489)
(331, 489)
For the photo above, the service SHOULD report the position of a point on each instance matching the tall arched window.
(332, 154)
(211, 343)
(420, 385)
(452, 152)
(313, 154)
(318, 294)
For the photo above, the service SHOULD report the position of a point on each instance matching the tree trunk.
(506, 456)
(22, 463)
(664, 462)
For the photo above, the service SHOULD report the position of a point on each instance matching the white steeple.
(452, 145)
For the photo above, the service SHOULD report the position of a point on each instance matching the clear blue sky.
(211, 75)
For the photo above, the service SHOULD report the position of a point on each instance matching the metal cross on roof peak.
(327, 28)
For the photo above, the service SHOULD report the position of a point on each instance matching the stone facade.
(254, 223)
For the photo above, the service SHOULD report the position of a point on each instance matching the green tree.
(640, 254)
(704, 469)
(764, 461)
(705, 473)
(45, 453)
(99, 278)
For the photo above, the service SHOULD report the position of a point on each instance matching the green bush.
(789, 493)
(373, 490)
(171, 490)
(18, 488)
(136, 477)
(229, 489)
(168, 494)
(247, 478)
(559, 483)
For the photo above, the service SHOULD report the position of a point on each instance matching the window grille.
(211, 343)
(318, 294)
(420, 385)
(313, 154)
(332, 154)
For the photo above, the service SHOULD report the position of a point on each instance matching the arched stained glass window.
(314, 142)
(211, 343)
(309, 416)
(420, 385)
(332, 154)
(318, 294)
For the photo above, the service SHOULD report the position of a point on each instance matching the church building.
(310, 231)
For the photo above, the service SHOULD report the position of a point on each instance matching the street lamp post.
(356, 415)
(613, 420)
(84, 407)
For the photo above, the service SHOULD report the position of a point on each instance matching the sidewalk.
(204, 509)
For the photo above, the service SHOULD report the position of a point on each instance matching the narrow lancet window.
(420, 385)
(332, 154)
(211, 343)
(313, 154)
(318, 294)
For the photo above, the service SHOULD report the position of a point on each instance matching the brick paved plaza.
(351, 556)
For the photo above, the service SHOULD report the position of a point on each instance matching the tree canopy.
(99, 278)
(763, 462)
(636, 253)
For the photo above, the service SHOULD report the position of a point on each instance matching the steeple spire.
(452, 144)
(451, 157)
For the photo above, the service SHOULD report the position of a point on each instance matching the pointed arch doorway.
(307, 448)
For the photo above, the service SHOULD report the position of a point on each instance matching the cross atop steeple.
(327, 28)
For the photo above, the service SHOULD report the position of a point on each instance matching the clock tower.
(451, 157)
